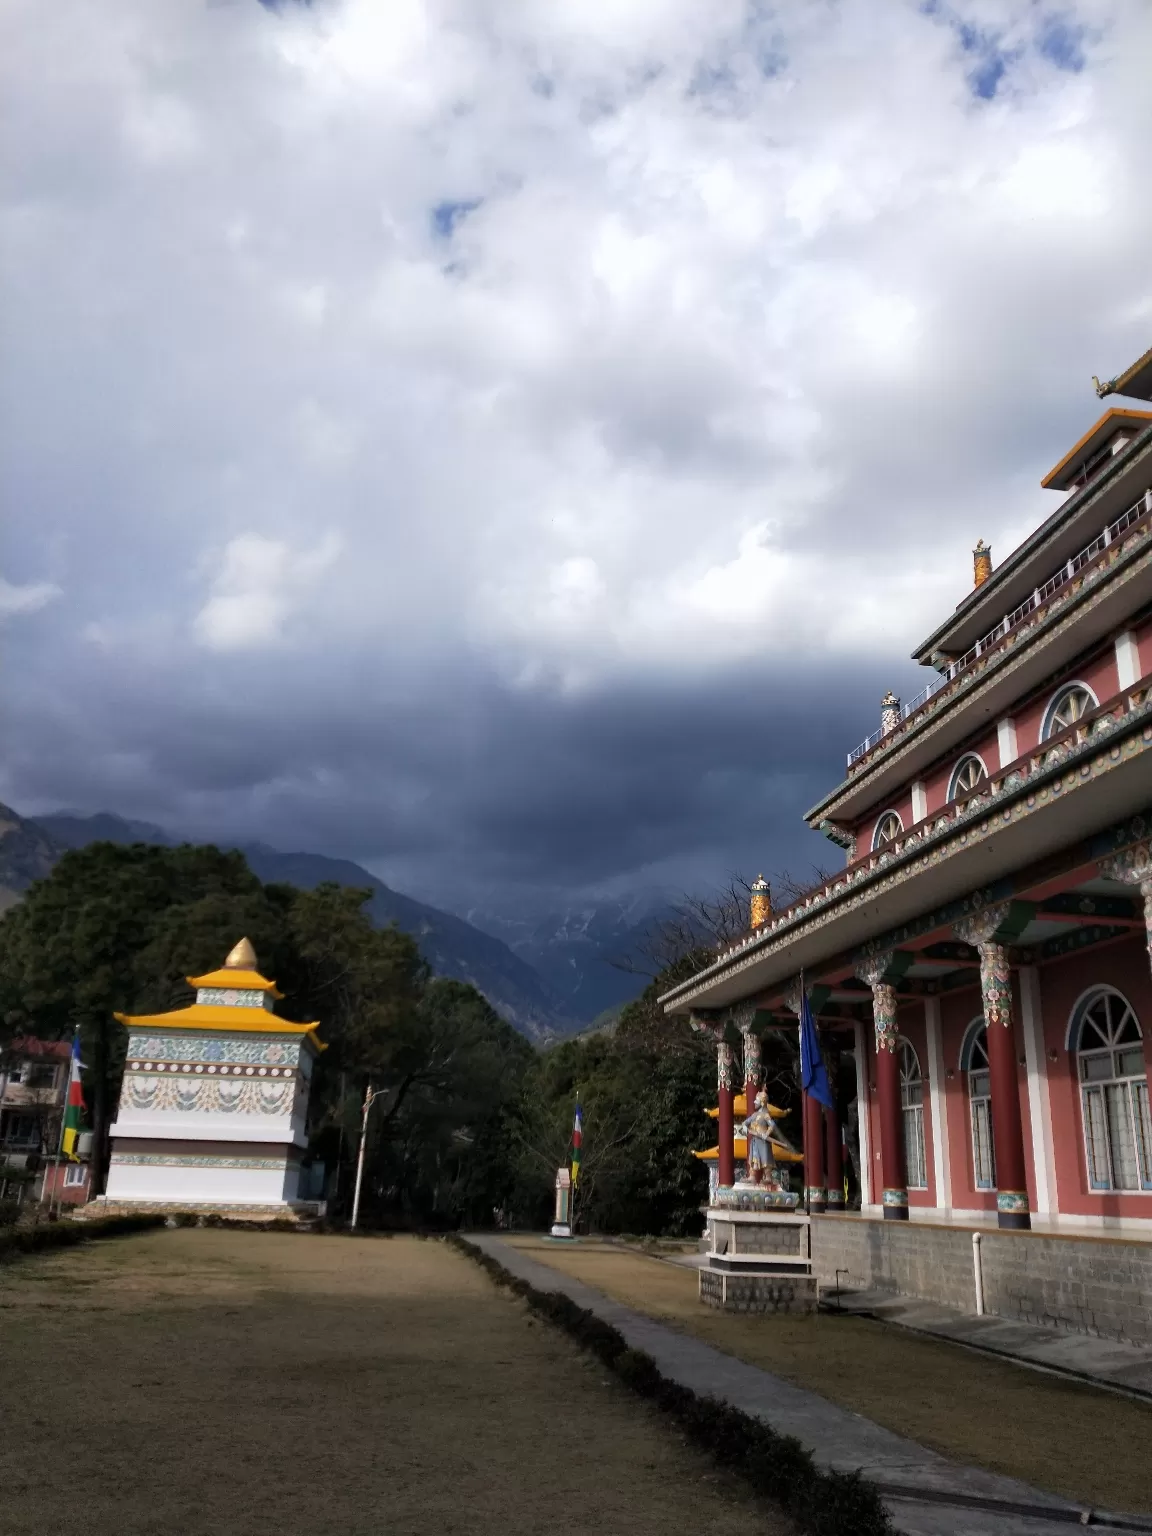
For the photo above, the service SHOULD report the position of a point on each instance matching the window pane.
(1096, 1139)
(1096, 1069)
(1143, 1132)
(1121, 1136)
(1090, 1037)
(980, 1085)
(983, 1159)
(1130, 1063)
(914, 1148)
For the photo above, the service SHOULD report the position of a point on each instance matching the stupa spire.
(242, 957)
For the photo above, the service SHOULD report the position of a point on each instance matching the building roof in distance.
(1112, 421)
(1135, 382)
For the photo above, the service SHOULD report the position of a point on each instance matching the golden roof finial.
(242, 958)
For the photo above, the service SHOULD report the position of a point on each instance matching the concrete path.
(1123, 1367)
(926, 1494)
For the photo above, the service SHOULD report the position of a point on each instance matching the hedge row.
(776, 1466)
(66, 1234)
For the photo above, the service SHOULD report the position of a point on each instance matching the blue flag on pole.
(813, 1074)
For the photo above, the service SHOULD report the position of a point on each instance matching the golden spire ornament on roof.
(242, 958)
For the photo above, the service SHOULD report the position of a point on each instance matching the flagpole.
(60, 1138)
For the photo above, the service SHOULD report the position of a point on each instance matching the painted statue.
(761, 1131)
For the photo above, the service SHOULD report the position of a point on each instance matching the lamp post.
(370, 1097)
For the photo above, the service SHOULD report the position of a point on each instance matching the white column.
(1006, 742)
(919, 801)
(863, 1127)
(1039, 1099)
(941, 1159)
(1127, 660)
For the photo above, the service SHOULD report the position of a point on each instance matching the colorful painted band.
(814, 1194)
(836, 1197)
(1013, 1202)
(895, 1197)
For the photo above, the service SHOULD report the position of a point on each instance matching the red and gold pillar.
(815, 1193)
(725, 1084)
(834, 1160)
(753, 1070)
(990, 931)
(893, 1172)
(1012, 1207)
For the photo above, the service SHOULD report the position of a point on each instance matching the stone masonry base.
(298, 1211)
(1094, 1285)
(795, 1294)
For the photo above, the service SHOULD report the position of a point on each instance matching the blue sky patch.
(446, 215)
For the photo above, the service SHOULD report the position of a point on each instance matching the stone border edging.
(776, 1466)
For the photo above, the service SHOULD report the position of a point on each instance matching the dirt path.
(1074, 1440)
(249, 1384)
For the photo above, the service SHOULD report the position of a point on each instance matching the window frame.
(75, 1175)
(915, 1111)
(1047, 724)
(954, 788)
(976, 1028)
(877, 844)
(1096, 1108)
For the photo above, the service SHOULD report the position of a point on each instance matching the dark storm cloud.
(511, 487)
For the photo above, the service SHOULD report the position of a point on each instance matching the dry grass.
(252, 1384)
(1074, 1440)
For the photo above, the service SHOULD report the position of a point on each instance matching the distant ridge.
(452, 947)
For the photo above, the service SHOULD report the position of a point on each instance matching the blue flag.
(813, 1075)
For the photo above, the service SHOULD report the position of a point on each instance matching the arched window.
(967, 776)
(1069, 705)
(888, 828)
(974, 1065)
(912, 1109)
(1105, 1035)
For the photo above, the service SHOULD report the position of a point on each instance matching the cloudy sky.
(514, 443)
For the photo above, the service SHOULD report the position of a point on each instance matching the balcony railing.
(1037, 598)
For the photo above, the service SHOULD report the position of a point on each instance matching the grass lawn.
(1074, 1440)
(243, 1383)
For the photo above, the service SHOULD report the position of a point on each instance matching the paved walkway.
(926, 1494)
(1106, 1362)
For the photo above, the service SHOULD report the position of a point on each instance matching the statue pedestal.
(759, 1256)
(562, 1224)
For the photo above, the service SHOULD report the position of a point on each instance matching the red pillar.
(1012, 1206)
(892, 1163)
(725, 1087)
(814, 1192)
(834, 1160)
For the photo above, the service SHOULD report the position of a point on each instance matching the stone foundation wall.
(758, 1293)
(756, 1236)
(1088, 1285)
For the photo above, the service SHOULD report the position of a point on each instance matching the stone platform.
(759, 1259)
(730, 1291)
(299, 1211)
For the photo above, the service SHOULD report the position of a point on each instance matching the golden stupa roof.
(740, 1110)
(238, 974)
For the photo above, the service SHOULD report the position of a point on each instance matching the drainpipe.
(978, 1273)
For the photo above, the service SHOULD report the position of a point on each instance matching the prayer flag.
(74, 1105)
(813, 1076)
(577, 1140)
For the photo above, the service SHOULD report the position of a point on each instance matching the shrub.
(776, 1466)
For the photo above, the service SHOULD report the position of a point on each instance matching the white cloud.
(260, 583)
(624, 342)
(29, 598)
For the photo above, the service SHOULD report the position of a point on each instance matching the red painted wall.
(1099, 674)
(1123, 965)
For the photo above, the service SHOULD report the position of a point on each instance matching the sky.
(515, 443)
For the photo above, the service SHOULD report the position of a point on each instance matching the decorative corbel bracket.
(1002, 923)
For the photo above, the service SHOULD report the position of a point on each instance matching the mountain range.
(549, 977)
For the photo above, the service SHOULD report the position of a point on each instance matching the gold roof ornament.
(242, 958)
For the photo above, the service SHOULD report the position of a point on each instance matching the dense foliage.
(469, 1122)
